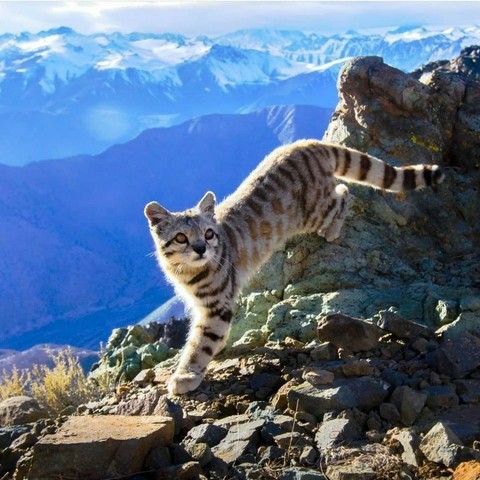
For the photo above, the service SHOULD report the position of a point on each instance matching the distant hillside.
(75, 248)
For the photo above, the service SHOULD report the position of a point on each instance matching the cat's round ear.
(207, 204)
(156, 213)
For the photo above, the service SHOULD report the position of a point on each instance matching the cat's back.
(286, 170)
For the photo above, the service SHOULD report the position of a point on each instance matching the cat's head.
(189, 238)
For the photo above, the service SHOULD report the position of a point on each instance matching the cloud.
(217, 17)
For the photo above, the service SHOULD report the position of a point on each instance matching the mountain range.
(63, 93)
(75, 251)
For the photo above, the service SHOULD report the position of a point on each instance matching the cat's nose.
(199, 247)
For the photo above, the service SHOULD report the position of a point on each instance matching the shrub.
(55, 388)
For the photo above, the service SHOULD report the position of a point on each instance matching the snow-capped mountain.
(63, 93)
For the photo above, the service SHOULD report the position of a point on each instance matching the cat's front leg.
(208, 334)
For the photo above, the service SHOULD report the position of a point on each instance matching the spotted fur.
(209, 252)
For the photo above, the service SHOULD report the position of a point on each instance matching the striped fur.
(209, 252)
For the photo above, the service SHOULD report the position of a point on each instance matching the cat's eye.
(181, 238)
(209, 234)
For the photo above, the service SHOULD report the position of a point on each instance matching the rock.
(144, 377)
(280, 400)
(441, 445)
(389, 412)
(292, 439)
(358, 368)
(200, 452)
(347, 332)
(25, 441)
(264, 384)
(9, 434)
(469, 390)
(442, 396)
(271, 454)
(458, 357)
(325, 351)
(185, 471)
(363, 393)
(20, 410)
(350, 472)
(401, 327)
(98, 447)
(239, 438)
(308, 456)
(410, 443)
(206, 433)
(467, 471)
(318, 376)
(409, 403)
(335, 432)
(300, 474)
(394, 378)
(157, 458)
(420, 345)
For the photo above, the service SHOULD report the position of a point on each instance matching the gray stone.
(318, 376)
(363, 393)
(206, 433)
(200, 452)
(348, 332)
(335, 432)
(442, 396)
(271, 454)
(185, 471)
(292, 439)
(9, 434)
(460, 356)
(239, 438)
(410, 443)
(389, 412)
(409, 403)
(25, 441)
(420, 345)
(99, 447)
(157, 458)
(358, 368)
(469, 390)
(308, 456)
(301, 474)
(20, 410)
(441, 445)
(325, 351)
(350, 472)
(401, 327)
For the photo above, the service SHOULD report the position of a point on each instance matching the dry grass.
(55, 388)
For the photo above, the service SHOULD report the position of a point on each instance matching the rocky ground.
(353, 360)
(364, 401)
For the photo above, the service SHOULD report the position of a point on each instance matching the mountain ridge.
(63, 93)
(75, 246)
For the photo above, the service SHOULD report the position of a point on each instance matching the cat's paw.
(184, 381)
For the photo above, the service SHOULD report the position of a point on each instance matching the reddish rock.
(99, 447)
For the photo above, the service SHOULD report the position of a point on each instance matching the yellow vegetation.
(55, 388)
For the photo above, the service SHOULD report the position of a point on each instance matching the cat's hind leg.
(335, 213)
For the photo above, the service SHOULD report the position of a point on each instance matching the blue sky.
(217, 17)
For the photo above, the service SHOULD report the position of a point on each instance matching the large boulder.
(99, 447)
(421, 117)
(19, 410)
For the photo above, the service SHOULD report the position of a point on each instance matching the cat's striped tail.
(359, 167)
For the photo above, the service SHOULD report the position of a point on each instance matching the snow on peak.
(56, 56)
